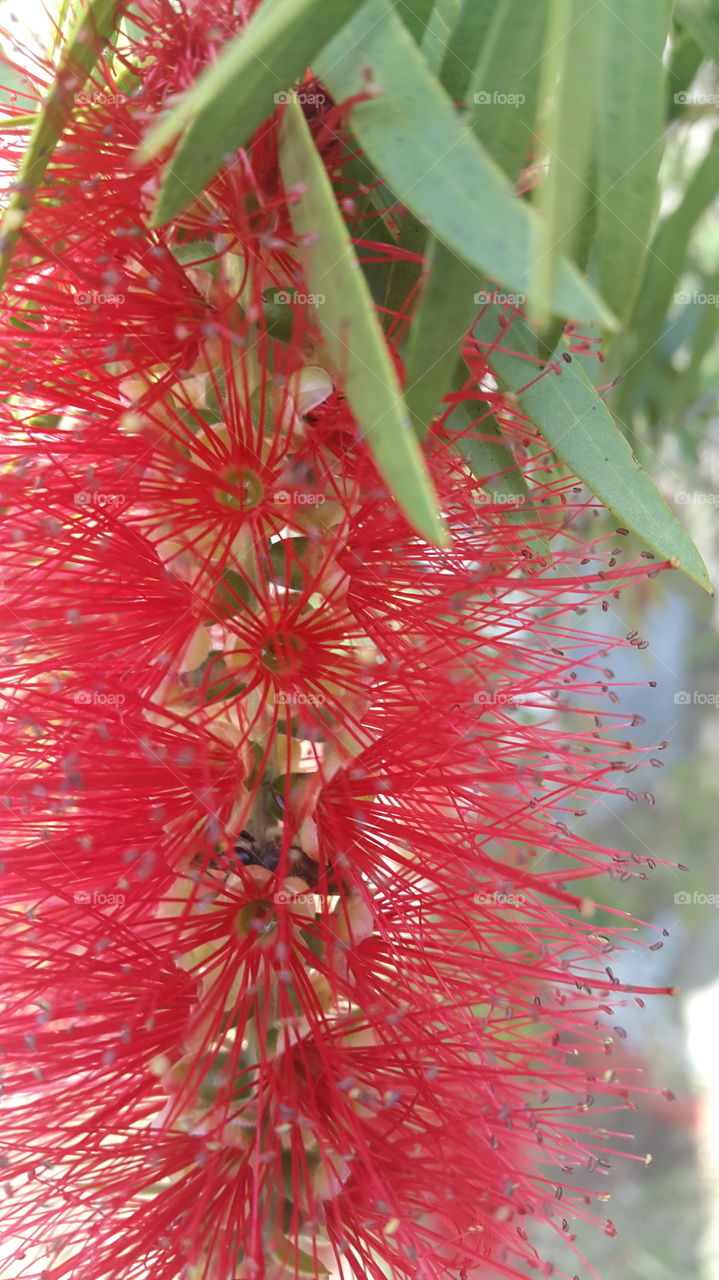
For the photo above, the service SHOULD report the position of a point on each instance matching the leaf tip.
(700, 575)
(441, 536)
(166, 206)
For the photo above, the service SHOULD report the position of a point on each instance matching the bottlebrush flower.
(297, 960)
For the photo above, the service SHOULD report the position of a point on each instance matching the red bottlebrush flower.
(295, 946)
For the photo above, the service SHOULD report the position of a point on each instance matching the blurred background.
(667, 1211)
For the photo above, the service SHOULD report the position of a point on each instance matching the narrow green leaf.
(12, 84)
(404, 273)
(577, 425)
(630, 144)
(665, 264)
(415, 15)
(570, 93)
(686, 60)
(89, 35)
(59, 23)
(702, 19)
(392, 280)
(378, 270)
(131, 29)
(490, 459)
(415, 139)
(504, 86)
(448, 303)
(583, 239)
(232, 98)
(299, 1262)
(703, 341)
(351, 329)
(464, 44)
(199, 254)
(16, 124)
(439, 30)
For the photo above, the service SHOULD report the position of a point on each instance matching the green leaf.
(703, 340)
(12, 84)
(448, 304)
(375, 209)
(351, 329)
(630, 144)
(89, 35)
(702, 19)
(134, 31)
(583, 241)
(297, 1261)
(199, 253)
(490, 459)
(504, 86)
(439, 29)
(415, 15)
(16, 124)
(577, 425)
(570, 93)
(415, 139)
(664, 268)
(234, 95)
(464, 44)
(404, 273)
(686, 60)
